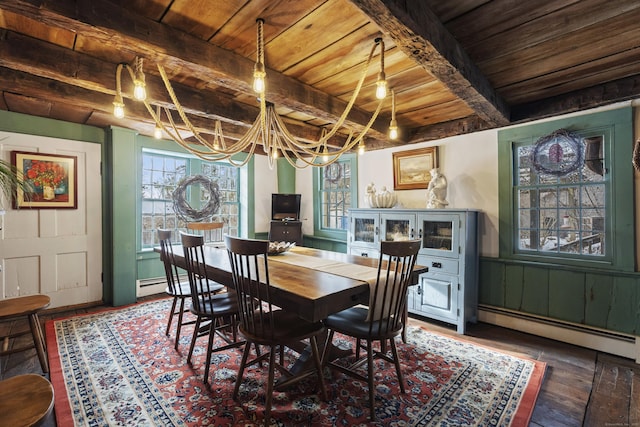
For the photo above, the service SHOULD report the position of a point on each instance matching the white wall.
(470, 163)
(266, 183)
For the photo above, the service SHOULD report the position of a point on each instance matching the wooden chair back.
(250, 269)
(389, 298)
(201, 286)
(212, 231)
(167, 257)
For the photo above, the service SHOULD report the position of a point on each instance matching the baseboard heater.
(619, 344)
(151, 286)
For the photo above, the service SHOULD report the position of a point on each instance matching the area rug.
(117, 368)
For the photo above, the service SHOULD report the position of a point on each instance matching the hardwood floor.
(581, 387)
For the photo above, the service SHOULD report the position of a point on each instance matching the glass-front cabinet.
(449, 290)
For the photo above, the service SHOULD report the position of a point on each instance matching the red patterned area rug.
(118, 368)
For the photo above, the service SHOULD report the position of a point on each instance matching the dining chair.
(177, 288)
(264, 324)
(211, 230)
(219, 309)
(382, 320)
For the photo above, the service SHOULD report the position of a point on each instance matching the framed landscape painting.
(50, 180)
(411, 169)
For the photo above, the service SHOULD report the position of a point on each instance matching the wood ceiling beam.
(447, 129)
(596, 96)
(417, 31)
(137, 35)
(28, 55)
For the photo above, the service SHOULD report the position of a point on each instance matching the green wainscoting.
(586, 296)
(324, 243)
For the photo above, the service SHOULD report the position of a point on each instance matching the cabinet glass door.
(364, 230)
(397, 227)
(440, 235)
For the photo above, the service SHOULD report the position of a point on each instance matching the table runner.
(351, 271)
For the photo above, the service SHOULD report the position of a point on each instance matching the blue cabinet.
(448, 292)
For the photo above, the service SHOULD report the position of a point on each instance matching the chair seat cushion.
(218, 305)
(287, 327)
(353, 321)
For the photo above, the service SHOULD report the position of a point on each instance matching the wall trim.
(619, 344)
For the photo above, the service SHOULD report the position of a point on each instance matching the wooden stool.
(25, 400)
(13, 308)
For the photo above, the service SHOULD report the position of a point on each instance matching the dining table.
(312, 283)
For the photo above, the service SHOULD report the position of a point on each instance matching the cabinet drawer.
(371, 253)
(441, 265)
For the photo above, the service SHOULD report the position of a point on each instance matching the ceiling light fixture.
(267, 131)
(393, 126)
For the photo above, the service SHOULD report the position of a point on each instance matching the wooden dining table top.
(311, 294)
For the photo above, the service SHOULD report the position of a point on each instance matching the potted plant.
(10, 182)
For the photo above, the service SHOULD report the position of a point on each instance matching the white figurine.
(437, 190)
(370, 194)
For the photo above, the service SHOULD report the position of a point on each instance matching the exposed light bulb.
(393, 130)
(381, 86)
(360, 149)
(258, 78)
(274, 155)
(118, 109)
(157, 132)
(325, 155)
(139, 91)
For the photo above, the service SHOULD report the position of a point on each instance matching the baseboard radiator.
(619, 344)
(151, 286)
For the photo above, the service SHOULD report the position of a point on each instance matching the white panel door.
(57, 252)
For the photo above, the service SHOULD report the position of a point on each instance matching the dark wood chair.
(219, 309)
(179, 289)
(263, 324)
(26, 306)
(383, 320)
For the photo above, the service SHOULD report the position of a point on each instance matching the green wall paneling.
(324, 243)
(31, 125)
(623, 310)
(567, 295)
(513, 278)
(598, 293)
(286, 177)
(123, 163)
(535, 290)
(492, 283)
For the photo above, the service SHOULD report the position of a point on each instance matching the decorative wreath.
(559, 153)
(333, 172)
(184, 210)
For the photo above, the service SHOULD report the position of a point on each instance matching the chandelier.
(268, 131)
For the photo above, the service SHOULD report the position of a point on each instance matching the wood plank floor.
(581, 387)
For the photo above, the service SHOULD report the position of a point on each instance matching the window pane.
(335, 188)
(562, 213)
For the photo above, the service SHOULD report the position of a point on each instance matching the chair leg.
(38, 341)
(270, 384)
(372, 390)
(327, 346)
(212, 336)
(180, 320)
(243, 362)
(193, 338)
(171, 313)
(396, 360)
(318, 362)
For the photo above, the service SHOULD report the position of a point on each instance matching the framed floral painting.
(50, 180)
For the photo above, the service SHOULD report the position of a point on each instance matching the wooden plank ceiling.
(456, 67)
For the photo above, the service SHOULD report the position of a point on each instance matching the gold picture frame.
(411, 168)
(52, 178)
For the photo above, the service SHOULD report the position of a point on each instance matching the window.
(161, 174)
(335, 189)
(561, 213)
(559, 208)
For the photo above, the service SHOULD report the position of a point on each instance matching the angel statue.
(437, 190)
